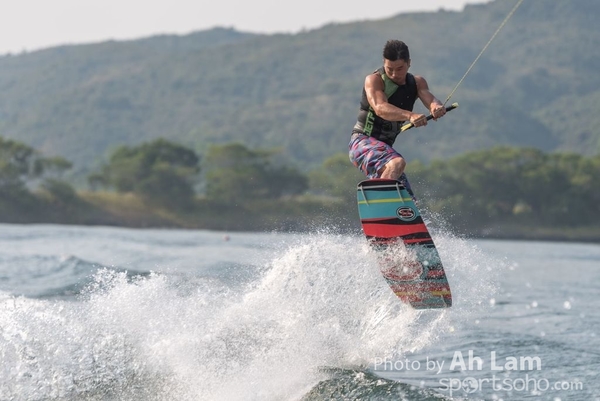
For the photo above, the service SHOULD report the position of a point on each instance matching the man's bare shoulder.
(374, 80)
(421, 82)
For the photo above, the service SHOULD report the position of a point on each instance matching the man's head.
(396, 50)
(396, 61)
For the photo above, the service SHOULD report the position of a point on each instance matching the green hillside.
(537, 85)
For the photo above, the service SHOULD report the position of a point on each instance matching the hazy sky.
(34, 24)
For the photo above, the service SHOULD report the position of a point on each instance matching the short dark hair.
(396, 50)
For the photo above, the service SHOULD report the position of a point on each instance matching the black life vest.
(401, 96)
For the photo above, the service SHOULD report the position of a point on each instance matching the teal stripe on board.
(375, 207)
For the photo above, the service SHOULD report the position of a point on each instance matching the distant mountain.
(537, 85)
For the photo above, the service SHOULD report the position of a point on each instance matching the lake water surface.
(99, 313)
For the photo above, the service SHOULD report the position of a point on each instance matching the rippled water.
(97, 313)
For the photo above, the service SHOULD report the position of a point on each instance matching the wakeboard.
(408, 258)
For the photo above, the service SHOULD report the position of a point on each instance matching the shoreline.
(500, 235)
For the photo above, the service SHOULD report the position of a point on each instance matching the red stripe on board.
(393, 230)
(416, 240)
(423, 286)
(435, 274)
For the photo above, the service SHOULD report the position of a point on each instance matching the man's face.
(396, 70)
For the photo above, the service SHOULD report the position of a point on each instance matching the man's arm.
(435, 107)
(374, 87)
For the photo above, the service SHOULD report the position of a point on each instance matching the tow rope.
(510, 14)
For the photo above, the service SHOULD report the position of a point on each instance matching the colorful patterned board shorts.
(370, 155)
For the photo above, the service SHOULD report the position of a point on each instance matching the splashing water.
(320, 302)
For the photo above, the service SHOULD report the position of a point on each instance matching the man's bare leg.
(393, 169)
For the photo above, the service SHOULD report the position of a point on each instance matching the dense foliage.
(502, 191)
(536, 86)
(518, 192)
(236, 174)
(23, 169)
(160, 171)
(516, 186)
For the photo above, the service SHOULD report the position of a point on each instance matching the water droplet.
(567, 305)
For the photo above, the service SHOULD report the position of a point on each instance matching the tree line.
(522, 188)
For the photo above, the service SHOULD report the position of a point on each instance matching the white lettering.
(458, 359)
(440, 366)
(530, 361)
(493, 358)
(511, 363)
(475, 359)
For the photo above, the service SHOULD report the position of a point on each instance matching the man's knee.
(398, 164)
(394, 168)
